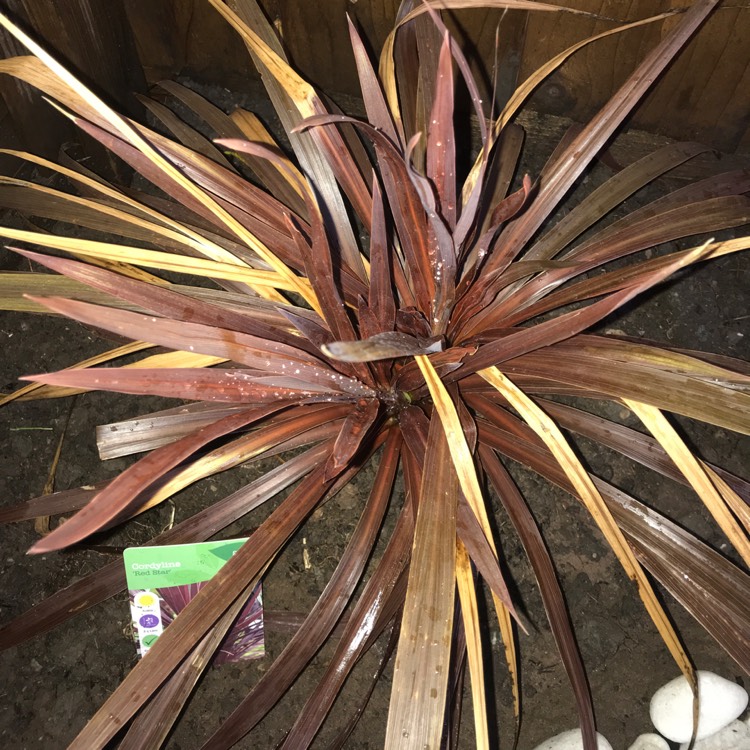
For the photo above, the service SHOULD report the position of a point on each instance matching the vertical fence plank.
(705, 95)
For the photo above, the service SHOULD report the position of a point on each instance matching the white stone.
(571, 740)
(721, 702)
(649, 741)
(734, 736)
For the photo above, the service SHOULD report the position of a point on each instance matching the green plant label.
(161, 582)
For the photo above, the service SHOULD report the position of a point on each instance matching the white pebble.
(571, 740)
(734, 736)
(649, 741)
(721, 702)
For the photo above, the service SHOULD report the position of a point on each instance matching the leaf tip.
(42, 546)
(35, 378)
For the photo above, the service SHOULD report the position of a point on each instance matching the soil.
(54, 683)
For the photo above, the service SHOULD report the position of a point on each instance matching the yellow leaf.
(191, 237)
(549, 432)
(739, 507)
(467, 477)
(228, 456)
(204, 247)
(470, 615)
(158, 259)
(176, 359)
(133, 137)
(520, 95)
(693, 471)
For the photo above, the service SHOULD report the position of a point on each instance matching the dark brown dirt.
(52, 684)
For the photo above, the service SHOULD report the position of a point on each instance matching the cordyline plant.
(382, 305)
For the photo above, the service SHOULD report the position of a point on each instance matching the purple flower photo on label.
(148, 621)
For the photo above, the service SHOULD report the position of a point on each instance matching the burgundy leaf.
(197, 618)
(713, 590)
(362, 623)
(63, 501)
(152, 725)
(341, 740)
(566, 325)
(412, 321)
(707, 216)
(215, 385)
(372, 94)
(471, 534)
(353, 432)
(161, 300)
(552, 596)
(406, 207)
(594, 135)
(635, 445)
(511, 205)
(445, 362)
(715, 598)
(441, 251)
(268, 355)
(119, 494)
(254, 208)
(606, 197)
(381, 299)
(320, 622)
(441, 148)
(107, 581)
(665, 388)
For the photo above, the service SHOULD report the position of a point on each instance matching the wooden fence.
(705, 95)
